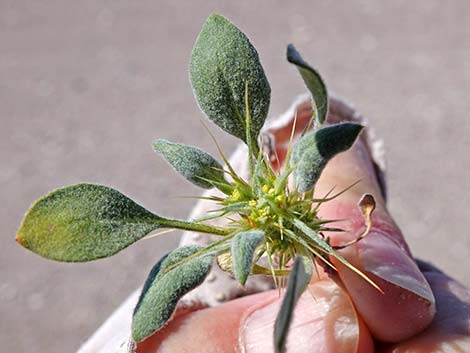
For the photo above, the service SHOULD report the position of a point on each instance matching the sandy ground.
(85, 86)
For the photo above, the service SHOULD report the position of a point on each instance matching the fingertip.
(391, 316)
(406, 305)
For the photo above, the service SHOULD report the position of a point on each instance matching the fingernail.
(384, 258)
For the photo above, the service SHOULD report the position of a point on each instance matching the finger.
(450, 329)
(407, 306)
(324, 321)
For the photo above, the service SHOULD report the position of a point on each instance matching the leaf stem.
(192, 226)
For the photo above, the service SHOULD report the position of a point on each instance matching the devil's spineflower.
(269, 222)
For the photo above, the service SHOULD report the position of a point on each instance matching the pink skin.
(341, 313)
(328, 321)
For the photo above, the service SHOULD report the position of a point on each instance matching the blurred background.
(86, 86)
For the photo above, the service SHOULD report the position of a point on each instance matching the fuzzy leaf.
(313, 151)
(299, 279)
(165, 286)
(314, 83)
(222, 61)
(196, 165)
(84, 222)
(243, 247)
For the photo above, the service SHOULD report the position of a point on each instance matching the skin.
(421, 310)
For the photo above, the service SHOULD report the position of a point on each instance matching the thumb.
(407, 305)
(324, 318)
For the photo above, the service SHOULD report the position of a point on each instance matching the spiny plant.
(270, 216)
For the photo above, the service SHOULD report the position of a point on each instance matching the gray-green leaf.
(243, 247)
(84, 222)
(299, 279)
(164, 287)
(314, 83)
(196, 165)
(313, 151)
(222, 60)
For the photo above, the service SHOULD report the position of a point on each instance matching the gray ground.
(86, 86)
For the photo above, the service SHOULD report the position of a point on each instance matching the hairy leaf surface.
(222, 61)
(299, 279)
(84, 222)
(243, 247)
(196, 165)
(313, 151)
(314, 83)
(164, 287)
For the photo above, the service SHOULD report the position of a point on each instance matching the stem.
(192, 226)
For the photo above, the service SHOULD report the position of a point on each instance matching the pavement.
(86, 86)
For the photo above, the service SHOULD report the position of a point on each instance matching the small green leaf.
(314, 83)
(243, 247)
(299, 279)
(196, 165)
(313, 151)
(165, 286)
(222, 61)
(84, 222)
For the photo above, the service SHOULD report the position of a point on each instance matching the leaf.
(299, 279)
(314, 83)
(313, 151)
(196, 165)
(84, 222)
(243, 247)
(164, 287)
(222, 61)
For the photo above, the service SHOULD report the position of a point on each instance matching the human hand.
(340, 312)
